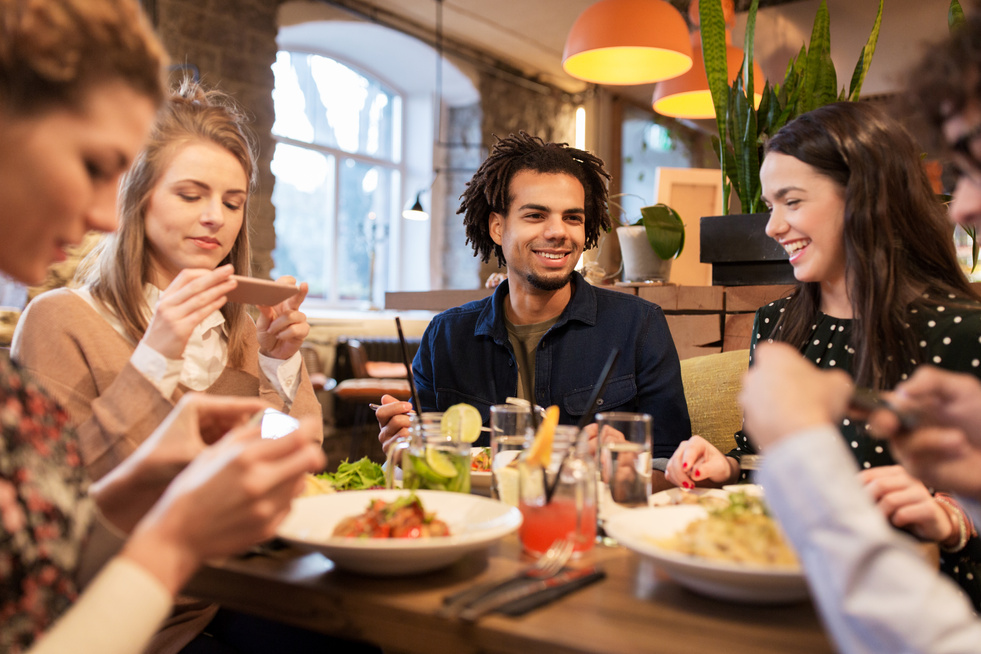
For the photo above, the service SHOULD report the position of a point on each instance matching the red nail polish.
(698, 473)
(686, 484)
(684, 466)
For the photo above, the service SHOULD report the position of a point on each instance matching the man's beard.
(548, 283)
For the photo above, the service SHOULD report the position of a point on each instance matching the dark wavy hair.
(490, 189)
(898, 241)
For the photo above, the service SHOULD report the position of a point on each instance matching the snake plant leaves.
(955, 15)
(665, 230)
(865, 60)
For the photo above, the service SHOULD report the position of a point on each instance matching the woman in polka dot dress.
(880, 292)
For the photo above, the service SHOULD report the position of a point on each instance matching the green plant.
(810, 82)
(664, 227)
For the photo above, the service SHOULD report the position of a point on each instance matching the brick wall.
(233, 45)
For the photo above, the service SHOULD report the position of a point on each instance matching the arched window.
(339, 169)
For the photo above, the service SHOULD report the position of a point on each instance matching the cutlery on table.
(548, 565)
(532, 594)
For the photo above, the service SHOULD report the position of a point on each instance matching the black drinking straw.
(408, 367)
(593, 401)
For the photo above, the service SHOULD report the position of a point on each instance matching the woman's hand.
(698, 462)
(193, 295)
(393, 420)
(907, 503)
(231, 496)
(281, 329)
(128, 491)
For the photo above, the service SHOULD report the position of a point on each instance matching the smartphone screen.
(276, 424)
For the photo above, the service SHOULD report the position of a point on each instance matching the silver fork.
(548, 565)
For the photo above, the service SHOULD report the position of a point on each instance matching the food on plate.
(480, 460)
(314, 485)
(461, 421)
(404, 517)
(742, 531)
(363, 474)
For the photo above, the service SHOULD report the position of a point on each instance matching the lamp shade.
(416, 212)
(688, 95)
(628, 42)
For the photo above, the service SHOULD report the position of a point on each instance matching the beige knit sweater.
(84, 364)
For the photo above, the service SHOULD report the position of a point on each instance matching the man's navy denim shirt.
(466, 356)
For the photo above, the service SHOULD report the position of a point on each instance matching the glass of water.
(625, 456)
(511, 433)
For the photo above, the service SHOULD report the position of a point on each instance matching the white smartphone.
(261, 292)
(275, 424)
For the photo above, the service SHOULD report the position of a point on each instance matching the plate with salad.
(439, 528)
(480, 467)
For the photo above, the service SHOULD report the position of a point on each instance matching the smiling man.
(536, 206)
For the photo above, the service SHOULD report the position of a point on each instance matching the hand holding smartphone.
(260, 292)
(274, 424)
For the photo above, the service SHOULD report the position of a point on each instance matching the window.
(338, 167)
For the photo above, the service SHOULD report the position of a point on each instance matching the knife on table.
(546, 589)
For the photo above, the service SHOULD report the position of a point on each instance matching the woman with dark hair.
(880, 293)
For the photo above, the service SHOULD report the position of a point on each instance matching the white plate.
(479, 478)
(475, 522)
(638, 529)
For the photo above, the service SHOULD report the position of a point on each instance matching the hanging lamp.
(628, 42)
(688, 95)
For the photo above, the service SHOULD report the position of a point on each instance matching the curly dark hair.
(490, 189)
(948, 78)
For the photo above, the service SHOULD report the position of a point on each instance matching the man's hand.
(944, 450)
(393, 420)
(783, 393)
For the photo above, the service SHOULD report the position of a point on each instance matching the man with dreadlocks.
(536, 206)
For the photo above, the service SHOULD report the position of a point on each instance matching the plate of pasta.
(731, 550)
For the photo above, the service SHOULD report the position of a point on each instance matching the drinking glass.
(572, 509)
(511, 433)
(625, 456)
(433, 459)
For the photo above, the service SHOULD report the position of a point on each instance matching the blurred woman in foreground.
(80, 81)
(880, 293)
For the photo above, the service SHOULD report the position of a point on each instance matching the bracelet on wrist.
(957, 515)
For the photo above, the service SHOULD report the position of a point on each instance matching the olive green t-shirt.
(524, 339)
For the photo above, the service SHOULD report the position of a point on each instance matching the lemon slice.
(440, 463)
(540, 451)
(461, 422)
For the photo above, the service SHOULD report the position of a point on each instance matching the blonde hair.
(52, 52)
(119, 267)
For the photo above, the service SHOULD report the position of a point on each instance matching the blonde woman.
(80, 82)
(151, 320)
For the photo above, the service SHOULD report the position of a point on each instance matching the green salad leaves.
(360, 475)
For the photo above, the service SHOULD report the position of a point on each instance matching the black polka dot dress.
(950, 338)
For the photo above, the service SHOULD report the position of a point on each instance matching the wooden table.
(632, 610)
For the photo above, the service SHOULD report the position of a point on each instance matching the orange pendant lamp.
(688, 95)
(628, 42)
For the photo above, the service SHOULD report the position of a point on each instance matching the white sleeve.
(875, 592)
(283, 374)
(160, 371)
(117, 614)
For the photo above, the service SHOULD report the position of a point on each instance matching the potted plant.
(650, 244)
(735, 245)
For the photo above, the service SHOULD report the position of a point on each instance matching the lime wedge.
(440, 463)
(461, 422)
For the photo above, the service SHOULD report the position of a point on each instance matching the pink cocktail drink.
(543, 524)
